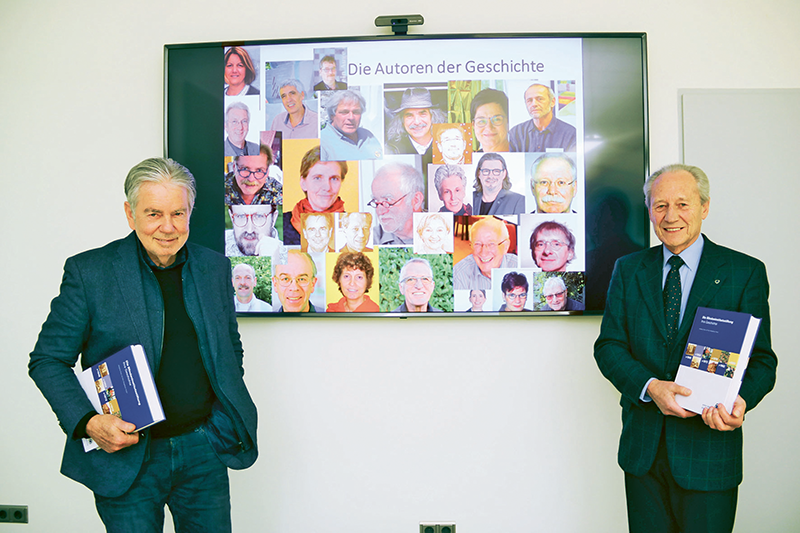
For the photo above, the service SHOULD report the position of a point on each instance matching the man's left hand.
(719, 419)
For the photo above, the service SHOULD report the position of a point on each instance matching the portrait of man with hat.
(410, 131)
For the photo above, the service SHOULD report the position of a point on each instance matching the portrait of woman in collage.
(449, 195)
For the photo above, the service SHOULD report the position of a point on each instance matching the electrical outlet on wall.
(437, 527)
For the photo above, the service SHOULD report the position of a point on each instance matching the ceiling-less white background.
(499, 425)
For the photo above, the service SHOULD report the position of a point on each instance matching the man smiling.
(489, 239)
(682, 471)
(294, 282)
(410, 129)
(298, 121)
(237, 126)
(416, 285)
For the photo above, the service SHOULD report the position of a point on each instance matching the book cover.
(715, 358)
(122, 385)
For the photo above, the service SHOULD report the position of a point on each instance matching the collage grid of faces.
(416, 197)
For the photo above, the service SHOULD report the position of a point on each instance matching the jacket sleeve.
(61, 340)
(760, 375)
(613, 347)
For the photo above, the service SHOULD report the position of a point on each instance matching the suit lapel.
(650, 280)
(709, 278)
(129, 279)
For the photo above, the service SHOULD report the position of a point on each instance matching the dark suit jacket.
(108, 300)
(322, 87)
(506, 203)
(632, 348)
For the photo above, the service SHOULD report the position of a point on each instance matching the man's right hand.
(663, 394)
(111, 433)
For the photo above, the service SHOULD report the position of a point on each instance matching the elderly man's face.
(251, 173)
(417, 286)
(292, 99)
(322, 184)
(477, 299)
(237, 124)
(397, 218)
(676, 211)
(417, 123)
(161, 220)
(551, 251)
(294, 282)
(515, 300)
(317, 232)
(538, 101)
(554, 186)
(451, 144)
(488, 249)
(251, 223)
(347, 117)
(328, 73)
(244, 282)
(556, 297)
(357, 231)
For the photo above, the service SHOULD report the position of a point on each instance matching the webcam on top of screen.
(399, 23)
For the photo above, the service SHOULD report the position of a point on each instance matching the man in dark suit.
(175, 299)
(327, 71)
(682, 471)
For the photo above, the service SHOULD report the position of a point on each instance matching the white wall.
(500, 425)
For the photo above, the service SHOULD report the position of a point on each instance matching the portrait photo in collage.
(399, 193)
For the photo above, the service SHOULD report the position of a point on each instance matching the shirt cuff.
(643, 396)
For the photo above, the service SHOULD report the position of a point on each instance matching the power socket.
(437, 527)
(16, 514)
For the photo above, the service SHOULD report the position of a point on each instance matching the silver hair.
(332, 103)
(238, 105)
(700, 178)
(297, 84)
(252, 269)
(411, 180)
(551, 155)
(409, 263)
(444, 172)
(396, 129)
(554, 282)
(162, 171)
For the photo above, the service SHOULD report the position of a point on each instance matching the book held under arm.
(715, 358)
(122, 385)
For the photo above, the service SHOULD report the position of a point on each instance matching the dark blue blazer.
(632, 348)
(108, 300)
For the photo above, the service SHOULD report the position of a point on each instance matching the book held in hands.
(122, 385)
(715, 358)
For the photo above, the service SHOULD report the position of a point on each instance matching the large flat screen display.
(392, 176)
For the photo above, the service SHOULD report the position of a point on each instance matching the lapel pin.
(716, 281)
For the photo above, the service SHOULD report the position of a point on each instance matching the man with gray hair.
(682, 468)
(237, 125)
(398, 191)
(244, 284)
(553, 183)
(416, 285)
(451, 185)
(410, 130)
(298, 121)
(543, 131)
(555, 296)
(343, 139)
(172, 297)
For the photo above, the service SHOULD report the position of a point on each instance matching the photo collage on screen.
(353, 184)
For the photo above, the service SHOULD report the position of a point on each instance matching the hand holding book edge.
(663, 394)
(719, 419)
(110, 433)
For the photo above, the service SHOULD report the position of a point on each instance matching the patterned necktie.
(672, 297)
